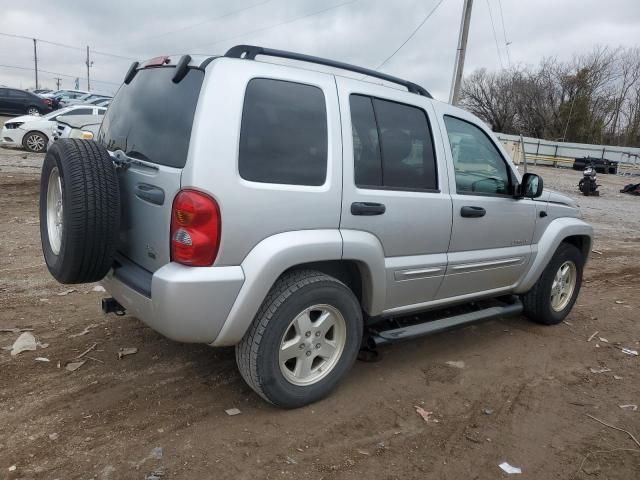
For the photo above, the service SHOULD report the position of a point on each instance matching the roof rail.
(250, 52)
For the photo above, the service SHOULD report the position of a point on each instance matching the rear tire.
(554, 294)
(293, 325)
(79, 211)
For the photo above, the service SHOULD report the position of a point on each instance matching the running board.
(421, 329)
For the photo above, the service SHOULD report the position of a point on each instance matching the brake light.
(195, 229)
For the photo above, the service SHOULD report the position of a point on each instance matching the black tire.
(28, 145)
(537, 301)
(33, 110)
(90, 211)
(257, 353)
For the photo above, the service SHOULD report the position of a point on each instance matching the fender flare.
(276, 254)
(556, 232)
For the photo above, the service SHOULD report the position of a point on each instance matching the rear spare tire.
(79, 210)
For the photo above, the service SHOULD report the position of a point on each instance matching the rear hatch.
(149, 122)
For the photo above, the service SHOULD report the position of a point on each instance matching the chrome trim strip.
(417, 273)
(492, 263)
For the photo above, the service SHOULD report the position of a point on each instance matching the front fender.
(557, 231)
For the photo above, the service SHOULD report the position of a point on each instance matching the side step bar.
(421, 329)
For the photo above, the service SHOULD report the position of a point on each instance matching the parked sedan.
(89, 97)
(33, 133)
(19, 102)
(80, 126)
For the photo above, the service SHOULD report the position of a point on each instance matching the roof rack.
(250, 52)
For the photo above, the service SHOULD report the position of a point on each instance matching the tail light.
(195, 229)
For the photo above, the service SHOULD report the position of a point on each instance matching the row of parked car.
(49, 115)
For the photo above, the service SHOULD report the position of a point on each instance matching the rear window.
(151, 118)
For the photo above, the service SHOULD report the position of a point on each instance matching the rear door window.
(81, 111)
(283, 136)
(393, 146)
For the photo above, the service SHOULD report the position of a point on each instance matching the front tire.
(303, 340)
(35, 142)
(554, 294)
(33, 111)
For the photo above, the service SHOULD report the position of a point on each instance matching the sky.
(361, 32)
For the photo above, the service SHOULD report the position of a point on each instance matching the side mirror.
(531, 186)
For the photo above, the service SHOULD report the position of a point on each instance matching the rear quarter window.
(283, 136)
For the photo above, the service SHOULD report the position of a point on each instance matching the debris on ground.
(509, 468)
(290, 461)
(85, 331)
(42, 359)
(426, 415)
(25, 342)
(628, 351)
(73, 366)
(86, 351)
(455, 364)
(631, 188)
(600, 370)
(156, 453)
(487, 411)
(12, 468)
(603, 340)
(16, 329)
(97, 288)
(123, 352)
(592, 336)
(617, 377)
(53, 436)
(66, 292)
(629, 407)
(232, 411)
(619, 302)
(598, 252)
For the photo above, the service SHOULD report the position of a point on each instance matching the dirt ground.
(521, 396)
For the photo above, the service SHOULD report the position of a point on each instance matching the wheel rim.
(563, 286)
(33, 111)
(35, 143)
(54, 211)
(312, 344)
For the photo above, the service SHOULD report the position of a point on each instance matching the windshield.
(151, 118)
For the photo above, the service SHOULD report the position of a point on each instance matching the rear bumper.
(186, 304)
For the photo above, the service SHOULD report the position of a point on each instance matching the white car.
(33, 132)
(76, 126)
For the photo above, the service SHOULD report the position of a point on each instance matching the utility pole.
(58, 80)
(460, 53)
(35, 59)
(89, 63)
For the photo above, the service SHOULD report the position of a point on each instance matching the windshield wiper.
(125, 160)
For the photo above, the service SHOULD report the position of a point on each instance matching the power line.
(495, 36)
(411, 35)
(195, 25)
(504, 32)
(273, 26)
(63, 45)
(15, 67)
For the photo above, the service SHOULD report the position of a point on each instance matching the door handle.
(149, 193)
(472, 212)
(367, 208)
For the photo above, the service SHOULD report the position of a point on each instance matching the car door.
(492, 230)
(4, 101)
(393, 188)
(19, 101)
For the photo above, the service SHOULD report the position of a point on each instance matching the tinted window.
(393, 146)
(151, 118)
(283, 137)
(81, 111)
(366, 147)
(478, 164)
(17, 93)
(3, 92)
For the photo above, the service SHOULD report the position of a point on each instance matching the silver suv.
(302, 215)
